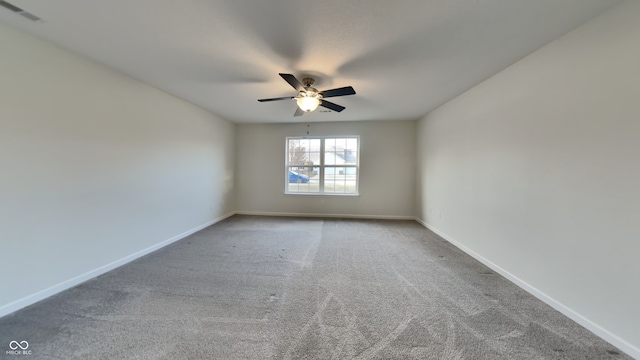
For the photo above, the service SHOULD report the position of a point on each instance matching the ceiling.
(404, 58)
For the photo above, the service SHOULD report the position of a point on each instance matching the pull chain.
(307, 128)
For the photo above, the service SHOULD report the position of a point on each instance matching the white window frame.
(321, 166)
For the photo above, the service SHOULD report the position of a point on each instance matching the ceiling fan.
(309, 98)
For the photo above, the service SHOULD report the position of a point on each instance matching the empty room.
(218, 179)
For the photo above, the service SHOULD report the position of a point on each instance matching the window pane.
(329, 151)
(330, 144)
(304, 152)
(350, 153)
(303, 179)
(341, 151)
(340, 180)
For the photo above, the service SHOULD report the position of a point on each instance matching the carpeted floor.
(290, 288)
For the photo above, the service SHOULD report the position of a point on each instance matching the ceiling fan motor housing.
(308, 81)
(310, 92)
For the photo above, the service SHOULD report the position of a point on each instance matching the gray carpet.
(287, 288)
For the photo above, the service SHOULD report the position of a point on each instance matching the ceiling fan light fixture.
(308, 103)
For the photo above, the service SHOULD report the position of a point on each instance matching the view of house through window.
(322, 165)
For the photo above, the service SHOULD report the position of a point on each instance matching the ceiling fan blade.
(332, 106)
(276, 99)
(292, 81)
(347, 90)
(299, 112)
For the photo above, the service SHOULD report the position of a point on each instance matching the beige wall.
(537, 172)
(387, 169)
(95, 168)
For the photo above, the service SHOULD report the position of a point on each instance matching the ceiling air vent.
(19, 11)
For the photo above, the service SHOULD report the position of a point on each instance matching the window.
(322, 165)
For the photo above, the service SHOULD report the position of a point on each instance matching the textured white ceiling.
(404, 58)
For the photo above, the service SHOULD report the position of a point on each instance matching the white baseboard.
(67, 284)
(321, 215)
(568, 312)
